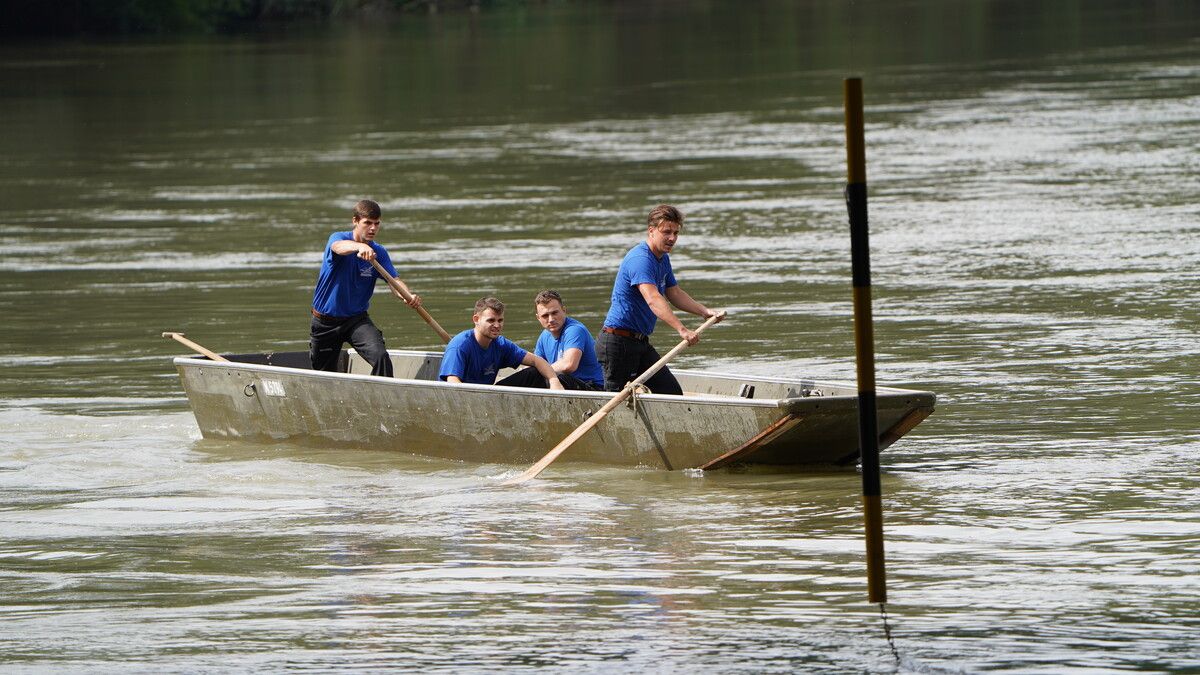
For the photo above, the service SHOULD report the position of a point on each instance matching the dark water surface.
(1034, 176)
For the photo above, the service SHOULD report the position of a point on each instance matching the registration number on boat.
(273, 388)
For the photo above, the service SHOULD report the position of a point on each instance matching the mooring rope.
(887, 632)
(635, 393)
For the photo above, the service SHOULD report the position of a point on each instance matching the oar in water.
(592, 421)
(179, 337)
(400, 291)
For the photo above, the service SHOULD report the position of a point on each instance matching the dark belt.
(640, 337)
(327, 318)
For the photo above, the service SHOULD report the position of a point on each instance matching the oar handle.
(683, 344)
(400, 291)
(533, 471)
(179, 337)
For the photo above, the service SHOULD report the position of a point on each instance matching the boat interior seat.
(404, 366)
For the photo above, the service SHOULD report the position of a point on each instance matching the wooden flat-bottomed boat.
(722, 419)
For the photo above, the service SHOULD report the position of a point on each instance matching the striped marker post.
(864, 337)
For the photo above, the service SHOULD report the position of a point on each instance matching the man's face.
(551, 315)
(662, 238)
(365, 229)
(489, 324)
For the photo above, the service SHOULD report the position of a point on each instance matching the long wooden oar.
(592, 421)
(400, 291)
(179, 337)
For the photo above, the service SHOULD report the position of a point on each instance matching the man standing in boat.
(567, 345)
(477, 354)
(343, 293)
(644, 292)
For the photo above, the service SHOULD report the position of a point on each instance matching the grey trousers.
(325, 340)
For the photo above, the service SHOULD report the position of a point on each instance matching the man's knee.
(368, 340)
(672, 388)
(324, 358)
(373, 353)
(372, 349)
(526, 377)
(378, 358)
(572, 383)
(323, 353)
(664, 382)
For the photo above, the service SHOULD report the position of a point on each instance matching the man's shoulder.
(639, 251)
(505, 343)
(576, 328)
(641, 256)
(461, 340)
(640, 266)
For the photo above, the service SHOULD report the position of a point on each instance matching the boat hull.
(803, 423)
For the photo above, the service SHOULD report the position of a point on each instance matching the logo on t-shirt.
(366, 270)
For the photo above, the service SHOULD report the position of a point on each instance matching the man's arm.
(543, 368)
(385, 261)
(574, 340)
(454, 365)
(680, 298)
(658, 305)
(416, 299)
(348, 246)
(363, 250)
(569, 361)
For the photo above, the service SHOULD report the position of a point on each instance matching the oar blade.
(199, 349)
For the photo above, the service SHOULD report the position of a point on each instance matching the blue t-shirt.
(469, 362)
(629, 309)
(574, 335)
(346, 282)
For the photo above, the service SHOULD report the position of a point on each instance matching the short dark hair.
(367, 209)
(546, 296)
(484, 304)
(664, 213)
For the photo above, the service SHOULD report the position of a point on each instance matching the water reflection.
(1032, 213)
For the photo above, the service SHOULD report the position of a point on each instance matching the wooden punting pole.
(864, 337)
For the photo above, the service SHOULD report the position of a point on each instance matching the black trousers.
(531, 378)
(624, 359)
(325, 340)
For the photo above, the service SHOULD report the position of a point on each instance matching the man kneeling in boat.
(567, 345)
(343, 293)
(475, 355)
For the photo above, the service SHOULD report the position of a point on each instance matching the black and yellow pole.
(864, 337)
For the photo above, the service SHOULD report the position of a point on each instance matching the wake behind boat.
(722, 419)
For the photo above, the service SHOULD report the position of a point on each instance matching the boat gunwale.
(707, 399)
(815, 383)
(599, 396)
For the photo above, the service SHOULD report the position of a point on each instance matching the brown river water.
(1035, 213)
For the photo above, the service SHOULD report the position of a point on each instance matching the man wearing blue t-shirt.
(567, 345)
(474, 356)
(643, 288)
(343, 293)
